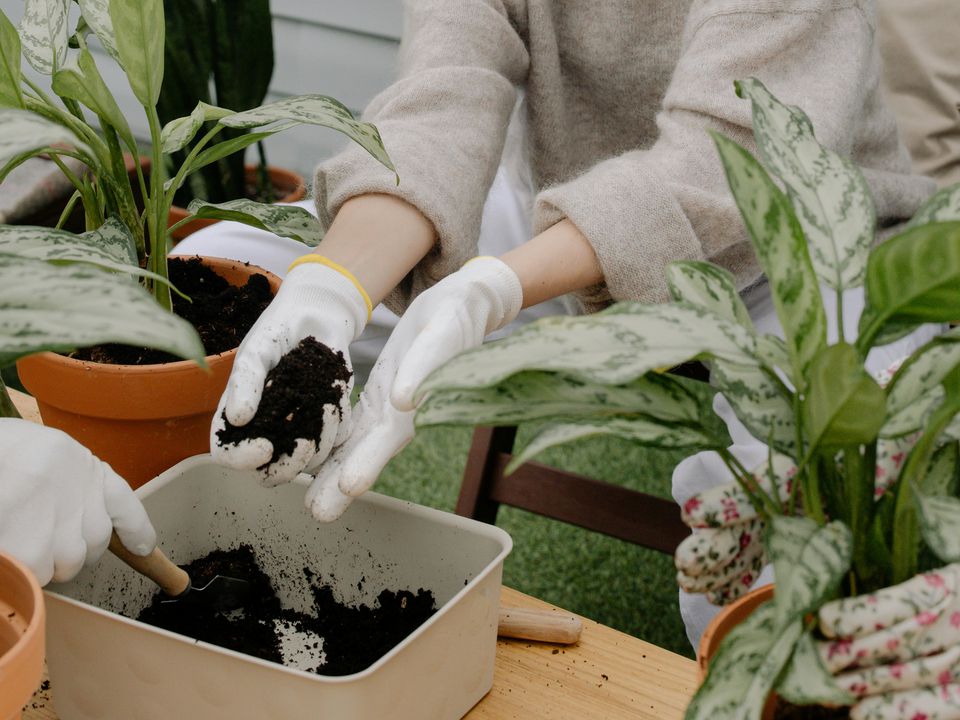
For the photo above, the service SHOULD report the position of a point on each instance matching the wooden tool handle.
(540, 625)
(156, 566)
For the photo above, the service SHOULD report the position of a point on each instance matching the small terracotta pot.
(141, 419)
(22, 619)
(289, 186)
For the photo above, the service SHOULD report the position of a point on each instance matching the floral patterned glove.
(898, 650)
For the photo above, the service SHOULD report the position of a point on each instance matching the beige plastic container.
(105, 666)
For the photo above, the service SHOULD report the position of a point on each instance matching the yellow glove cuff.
(314, 258)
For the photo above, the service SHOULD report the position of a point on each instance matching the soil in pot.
(221, 313)
(291, 407)
(342, 639)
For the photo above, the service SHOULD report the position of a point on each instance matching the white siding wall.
(343, 49)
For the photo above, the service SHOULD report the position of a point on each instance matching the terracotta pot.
(142, 419)
(288, 184)
(21, 637)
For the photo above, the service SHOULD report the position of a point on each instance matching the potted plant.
(21, 636)
(833, 531)
(131, 31)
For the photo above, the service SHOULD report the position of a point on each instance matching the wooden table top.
(606, 676)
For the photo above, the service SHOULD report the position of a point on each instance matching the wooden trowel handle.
(540, 625)
(156, 566)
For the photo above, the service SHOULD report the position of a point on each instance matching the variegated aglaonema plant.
(808, 399)
(59, 290)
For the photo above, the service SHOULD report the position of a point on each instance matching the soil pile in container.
(221, 313)
(305, 380)
(353, 637)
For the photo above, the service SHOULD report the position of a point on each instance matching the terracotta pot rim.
(36, 621)
(705, 649)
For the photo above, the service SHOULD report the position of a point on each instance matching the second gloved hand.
(452, 316)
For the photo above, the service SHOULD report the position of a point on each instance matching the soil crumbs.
(221, 313)
(354, 637)
(290, 408)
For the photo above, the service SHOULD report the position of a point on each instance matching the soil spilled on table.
(221, 313)
(353, 637)
(305, 380)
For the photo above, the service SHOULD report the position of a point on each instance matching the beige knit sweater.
(620, 94)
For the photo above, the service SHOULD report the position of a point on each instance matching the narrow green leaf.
(10, 94)
(829, 193)
(228, 147)
(760, 403)
(23, 131)
(178, 133)
(709, 287)
(80, 80)
(913, 278)
(782, 250)
(139, 31)
(807, 682)
(915, 388)
(944, 206)
(283, 220)
(808, 561)
(97, 15)
(44, 33)
(844, 405)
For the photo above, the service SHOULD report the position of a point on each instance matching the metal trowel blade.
(222, 594)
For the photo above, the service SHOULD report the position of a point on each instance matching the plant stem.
(71, 203)
(158, 208)
(7, 408)
(761, 502)
(126, 205)
(840, 333)
(264, 185)
(188, 161)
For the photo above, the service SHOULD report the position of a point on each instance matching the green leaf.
(612, 347)
(541, 396)
(243, 61)
(940, 524)
(178, 133)
(844, 405)
(912, 278)
(44, 33)
(807, 682)
(80, 80)
(97, 15)
(782, 251)
(315, 110)
(941, 476)
(645, 431)
(10, 94)
(915, 388)
(24, 131)
(228, 147)
(283, 220)
(760, 403)
(45, 306)
(829, 193)
(944, 206)
(139, 30)
(808, 561)
(744, 671)
(709, 287)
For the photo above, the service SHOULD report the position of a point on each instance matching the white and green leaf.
(806, 681)
(177, 133)
(44, 33)
(24, 131)
(80, 80)
(139, 31)
(940, 524)
(10, 93)
(709, 287)
(782, 250)
(97, 15)
(944, 206)
(915, 388)
(285, 220)
(759, 401)
(829, 193)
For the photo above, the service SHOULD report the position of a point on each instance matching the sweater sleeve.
(646, 208)
(443, 123)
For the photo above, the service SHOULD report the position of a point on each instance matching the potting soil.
(295, 392)
(337, 639)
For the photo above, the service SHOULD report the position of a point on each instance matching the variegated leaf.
(97, 15)
(915, 388)
(177, 133)
(944, 206)
(109, 245)
(315, 110)
(139, 30)
(772, 352)
(709, 287)
(808, 562)
(940, 524)
(44, 33)
(759, 402)
(541, 396)
(224, 149)
(24, 131)
(782, 251)
(44, 306)
(941, 476)
(10, 94)
(829, 193)
(645, 431)
(80, 80)
(807, 682)
(912, 278)
(612, 347)
(742, 674)
(284, 220)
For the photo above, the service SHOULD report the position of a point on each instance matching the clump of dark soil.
(788, 711)
(294, 395)
(221, 313)
(354, 637)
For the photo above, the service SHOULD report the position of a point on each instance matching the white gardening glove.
(317, 299)
(898, 650)
(59, 503)
(452, 316)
